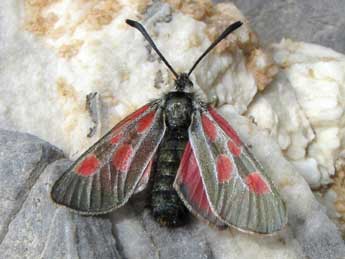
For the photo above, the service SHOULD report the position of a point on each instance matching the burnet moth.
(188, 154)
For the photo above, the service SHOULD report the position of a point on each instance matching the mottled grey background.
(317, 21)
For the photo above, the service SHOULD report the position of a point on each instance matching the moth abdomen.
(167, 208)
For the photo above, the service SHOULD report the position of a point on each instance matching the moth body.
(167, 207)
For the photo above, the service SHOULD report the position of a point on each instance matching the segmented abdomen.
(167, 208)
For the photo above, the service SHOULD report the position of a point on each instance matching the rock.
(41, 229)
(23, 158)
(317, 21)
(53, 63)
(317, 76)
(278, 111)
(135, 227)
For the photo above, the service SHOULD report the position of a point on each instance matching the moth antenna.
(225, 33)
(141, 28)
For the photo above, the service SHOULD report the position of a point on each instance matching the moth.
(188, 154)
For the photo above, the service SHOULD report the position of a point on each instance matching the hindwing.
(239, 193)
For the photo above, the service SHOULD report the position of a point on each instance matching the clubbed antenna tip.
(141, 28)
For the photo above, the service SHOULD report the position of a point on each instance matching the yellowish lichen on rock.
(73, 109)
(40, 25)
(217, 17)
(41, 21)
(198, 9)
(37, 22)
(65, 90)
(263, 68)
(338, 187)
(96, 53)
(69, 50)
(101, 13)
(93, 15)
(139, 5)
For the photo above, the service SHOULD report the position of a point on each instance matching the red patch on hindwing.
(122, 157)
(234, 149)
(191, 180)
(209, 127)
(116, 139)
(88, 166)
(145, 122)
(257, 184)
(225, 126)
(224, 168)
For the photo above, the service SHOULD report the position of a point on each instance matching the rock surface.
(54, 63)
(32, 226)
(316, 21)
(68, 81)
(23, 158)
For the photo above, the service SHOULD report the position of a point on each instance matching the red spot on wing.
(145, 122)
(225, 126)
(122, 158)
(189, 176)
(224, 168)
(130, 118)
(257, 184)
(116, 139)
(234, 149)
(88, 166)
(209, 127)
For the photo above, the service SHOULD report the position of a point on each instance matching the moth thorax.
(178, 110)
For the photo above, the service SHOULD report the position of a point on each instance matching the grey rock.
(42, 229)
(318, 236)
(134, 227)
(23, 158)
(93, 105)
(316, 21)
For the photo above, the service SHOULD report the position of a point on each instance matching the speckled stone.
(317, 21)
(23, 158)
(41, 229)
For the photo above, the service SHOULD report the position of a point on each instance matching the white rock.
(84, 48)
(304, 108)
(81, 50)
(317, 74)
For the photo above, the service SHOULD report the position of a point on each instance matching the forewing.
(237, 187)
(107, 174)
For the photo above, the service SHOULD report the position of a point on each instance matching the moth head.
(183, 82)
